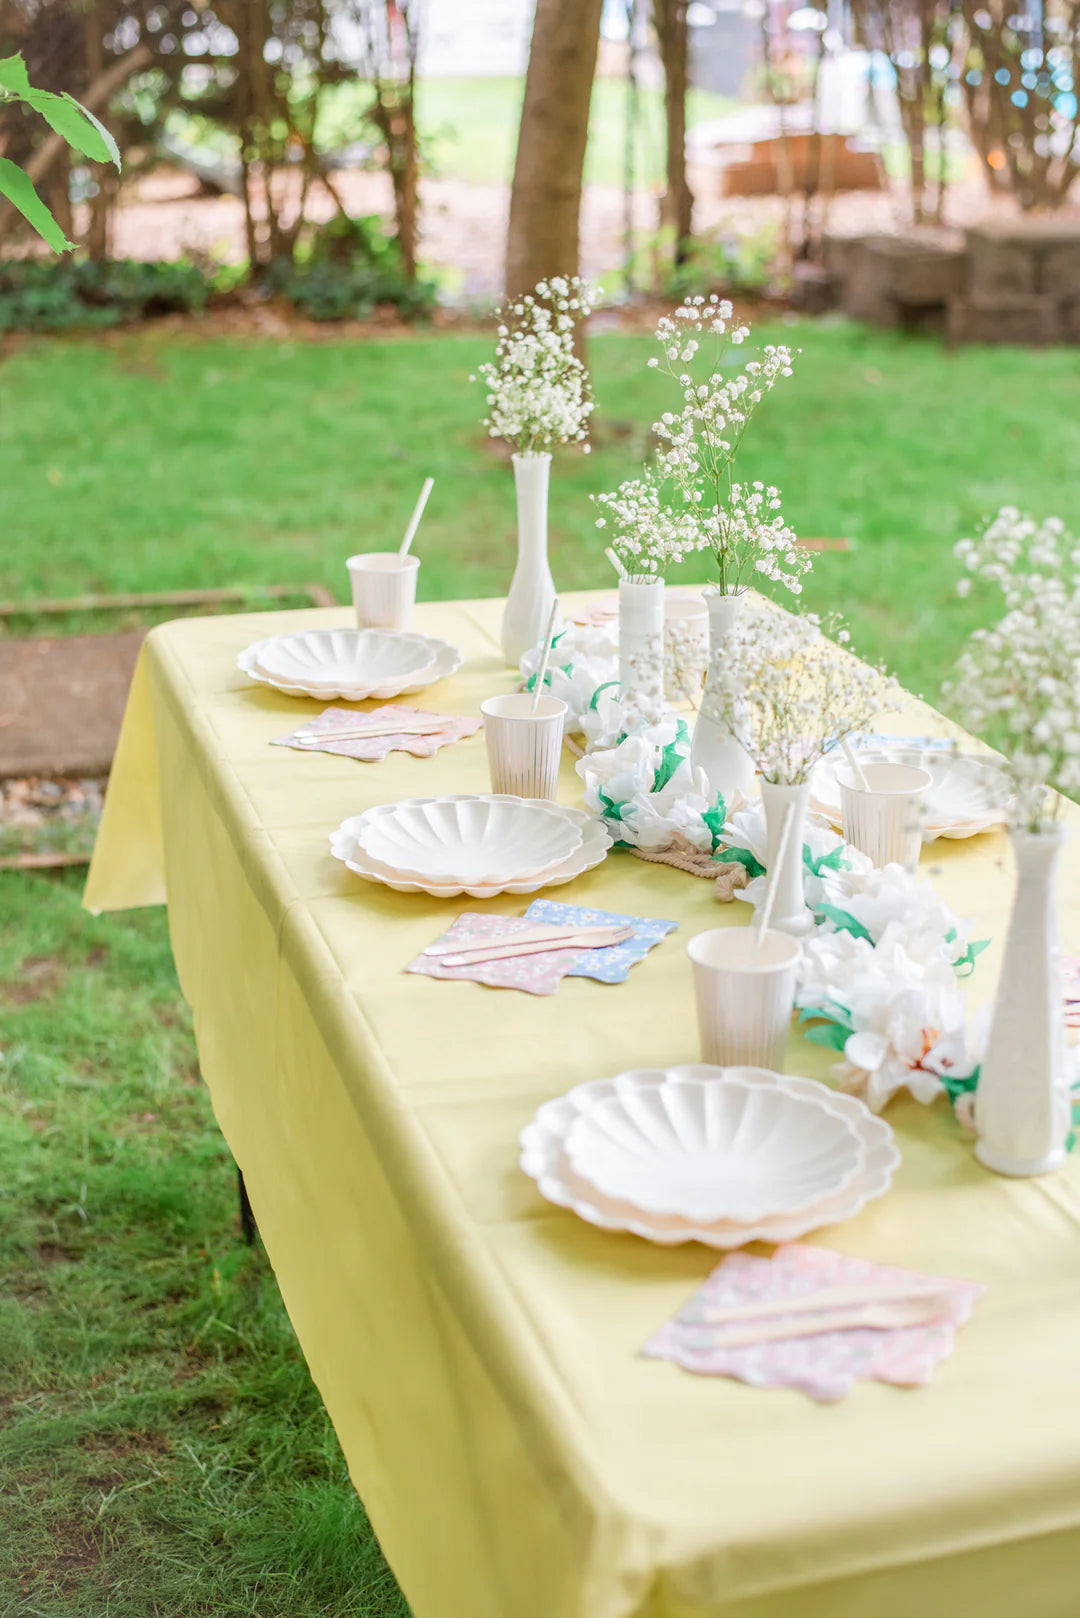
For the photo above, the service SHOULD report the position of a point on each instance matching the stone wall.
(1014, 281)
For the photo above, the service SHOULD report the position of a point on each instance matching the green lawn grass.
(155, 463)
(162, 1451)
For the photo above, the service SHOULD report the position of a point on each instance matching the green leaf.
(596, 694)
(753, 865)
(964, 964)
(843, 922)
(78, 127)
(834, 861)
(714, 818)
(17, 188)
(955, 1086)
(670, 759)
(611, 809)
(829, 1034)
(831, 1011)
(13, 75)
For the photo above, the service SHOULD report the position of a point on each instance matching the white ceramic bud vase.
(790, 913)
(727, 765)
(532, 589)
(641, 642)
(1022, 1104)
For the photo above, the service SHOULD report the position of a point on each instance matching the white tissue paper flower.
(876, 898)
(907, 1017)
(657, 819)
(583, 660)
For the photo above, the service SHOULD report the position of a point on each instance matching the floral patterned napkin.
(542, 973)
(827, 1366)
(453, 729)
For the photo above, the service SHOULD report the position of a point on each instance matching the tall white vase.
(1022, 1106)
(789, 911)
(641, 643)
(532, 589)
(727, 765)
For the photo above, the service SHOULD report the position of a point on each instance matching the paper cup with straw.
(524, 733)
(881, 808)
(744, 984)
(384, 582)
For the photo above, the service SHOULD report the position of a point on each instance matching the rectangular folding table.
(478, 1349)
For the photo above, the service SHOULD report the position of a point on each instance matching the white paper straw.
(770, 891)
(414, 520)
(856, 767)
(549, 636)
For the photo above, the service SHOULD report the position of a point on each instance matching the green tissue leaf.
(829, 1034)
(596, 694)
(670, 759)
(17, 188)
(843, 921)
(611, 809)
(833, 861)
(964, 964)
(714, 818)
(753, 865)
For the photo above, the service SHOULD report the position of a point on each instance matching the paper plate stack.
(482, 845)
(709, 1154)
(968, 792)
(353, 664)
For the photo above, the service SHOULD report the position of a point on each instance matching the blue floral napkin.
(605, 965)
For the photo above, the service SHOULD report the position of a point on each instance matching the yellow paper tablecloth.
(477, 1349)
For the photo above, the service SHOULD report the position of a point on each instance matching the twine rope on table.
(730, 874)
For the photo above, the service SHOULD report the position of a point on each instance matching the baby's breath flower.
(788, 694)
(686, 499)
(1018, 681)
(538, 390)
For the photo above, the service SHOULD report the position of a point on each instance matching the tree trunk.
(545, 201)
(677, 203)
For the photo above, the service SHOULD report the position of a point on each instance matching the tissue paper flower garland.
(647, 793)
(878, 977)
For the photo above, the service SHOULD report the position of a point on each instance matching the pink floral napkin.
(543, 972)
(827, 1366)
(453, 728)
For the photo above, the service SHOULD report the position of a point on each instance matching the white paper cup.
(886, 822)
(383, 589)
(744, 982)
(524, 747)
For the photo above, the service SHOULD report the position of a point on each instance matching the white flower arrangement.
(686, 500)
(539, 392)
(788, 694)
(1017, 683)
(878, 977)
(584, 667)
(648, 794)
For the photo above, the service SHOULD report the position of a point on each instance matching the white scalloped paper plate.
(483, 840)
(543, 1159)
(445, 659)
(595, 842)
(968, 793)
(717, 1148)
